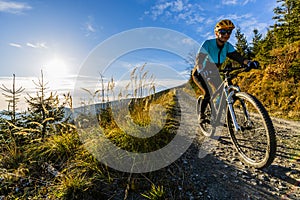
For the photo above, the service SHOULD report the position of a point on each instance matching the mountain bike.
(249, 125)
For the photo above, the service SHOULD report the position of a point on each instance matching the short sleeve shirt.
(215, 54)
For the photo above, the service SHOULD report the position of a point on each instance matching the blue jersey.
(214, 53)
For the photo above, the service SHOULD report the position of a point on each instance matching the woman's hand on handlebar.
(251, 65)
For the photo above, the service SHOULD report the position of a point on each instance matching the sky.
(59, 36)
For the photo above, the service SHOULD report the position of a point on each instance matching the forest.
(276, 84)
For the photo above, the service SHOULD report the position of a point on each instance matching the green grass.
(60, 166)
(155, 193)
(145, 120)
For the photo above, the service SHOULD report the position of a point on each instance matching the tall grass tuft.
(155, 193)
(56, 149)
(72, 186)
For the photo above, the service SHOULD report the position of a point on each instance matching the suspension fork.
(229, 92)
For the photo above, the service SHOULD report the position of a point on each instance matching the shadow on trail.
(216, 176)
(284, 174)
(219, 175)
(286, 167)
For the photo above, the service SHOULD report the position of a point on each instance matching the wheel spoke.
(255, 142)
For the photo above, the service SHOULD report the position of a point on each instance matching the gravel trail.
(219, 174)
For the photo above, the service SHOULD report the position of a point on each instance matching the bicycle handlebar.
(247, 68)
(231, 69)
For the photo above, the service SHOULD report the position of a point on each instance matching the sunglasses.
(224, 31)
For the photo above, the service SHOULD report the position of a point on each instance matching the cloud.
(188, 41)
(13, 7)
(247, 1)
(15, 45)
(89, 27)
(235, 17)
(247, 27)
(60, 86)
(229, 2)
(236, 2)
(179, 10)
(247, 23)
(38, 45)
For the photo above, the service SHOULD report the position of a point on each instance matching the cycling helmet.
(224, 24)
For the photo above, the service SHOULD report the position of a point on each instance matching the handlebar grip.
(253, 64)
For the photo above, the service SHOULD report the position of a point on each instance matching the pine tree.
(256, 40)
(287, 22)
(241, 44)
(12, 96)
(286, 32)
(265, 46)
(43, 110)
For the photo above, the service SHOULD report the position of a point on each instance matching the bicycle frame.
(229, 99)
(258, 151)
(229, 90)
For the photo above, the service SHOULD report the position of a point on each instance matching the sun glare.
(55, 68)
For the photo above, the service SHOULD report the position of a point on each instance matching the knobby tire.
(255, 142)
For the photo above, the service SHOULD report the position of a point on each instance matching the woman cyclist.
(211, 56)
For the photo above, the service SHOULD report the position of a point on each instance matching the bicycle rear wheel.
(255, 141)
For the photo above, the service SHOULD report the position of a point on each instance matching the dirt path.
(220, 174)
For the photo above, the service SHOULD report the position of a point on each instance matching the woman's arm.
(199, 60)
(237, 57)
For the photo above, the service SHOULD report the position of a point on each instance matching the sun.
(56, 72)
(55, 68)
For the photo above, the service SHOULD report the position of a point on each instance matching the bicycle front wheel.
(255, 139)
